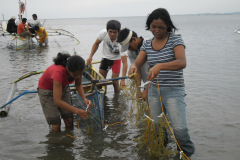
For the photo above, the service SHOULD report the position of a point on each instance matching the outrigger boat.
(18, 42)
(94, 88)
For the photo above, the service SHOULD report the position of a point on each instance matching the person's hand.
(133, 69)
(89, 60)
(153, 72)
(83, 114)
(88, 103)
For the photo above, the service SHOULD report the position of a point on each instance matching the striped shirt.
(166, 78)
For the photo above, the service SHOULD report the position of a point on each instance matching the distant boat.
(18, 42)
(237, 31)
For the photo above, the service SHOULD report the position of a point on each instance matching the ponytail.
(74, 63)
(61, 59)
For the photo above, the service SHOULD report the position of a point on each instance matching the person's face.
(76, 74)
(34, 18)
(158, 28)
(133, 45)
(112, 34)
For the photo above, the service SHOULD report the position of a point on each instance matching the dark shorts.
(53, 114)
(107, 64)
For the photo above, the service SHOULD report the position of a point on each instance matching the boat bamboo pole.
(19, 14)
(25, 6)
(10, 100)
(101, 82)
(5, 108)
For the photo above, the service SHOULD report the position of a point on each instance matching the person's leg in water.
(173, 100)
(55, 127)
(116, 66)
(66, 115)
(103, 73)
(49, 108)
(104, 67)
(116, 82)
(46, 42)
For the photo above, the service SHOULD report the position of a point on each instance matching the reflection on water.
(58, 146)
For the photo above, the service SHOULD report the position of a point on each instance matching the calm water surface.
(212, 80)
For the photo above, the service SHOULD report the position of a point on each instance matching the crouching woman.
(54, 92)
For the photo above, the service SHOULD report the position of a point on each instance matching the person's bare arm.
(80, 90)
(137, 64)
(124, 69)
(57, 96)
(94, 49)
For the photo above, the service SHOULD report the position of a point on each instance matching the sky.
(54, 9)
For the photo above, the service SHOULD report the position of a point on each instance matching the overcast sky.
(51, 9)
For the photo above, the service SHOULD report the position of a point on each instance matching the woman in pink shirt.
(54, 92)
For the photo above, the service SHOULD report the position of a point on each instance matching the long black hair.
(74, 63)
(162, 14)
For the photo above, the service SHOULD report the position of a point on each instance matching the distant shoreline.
(230, 13)
(195, 14)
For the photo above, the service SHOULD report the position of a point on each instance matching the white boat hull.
(20, 43)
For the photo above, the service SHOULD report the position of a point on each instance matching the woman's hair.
(162, 14)
(74, 63)
(114, 25)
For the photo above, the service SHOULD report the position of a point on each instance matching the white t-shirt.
(110, 50)
(34, 23)
(17, 21)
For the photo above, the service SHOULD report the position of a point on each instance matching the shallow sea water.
(212, 80)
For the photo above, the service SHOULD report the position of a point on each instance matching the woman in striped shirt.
(165, 55)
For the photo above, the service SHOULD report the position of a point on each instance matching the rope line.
(148, 122)
(160, 97)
